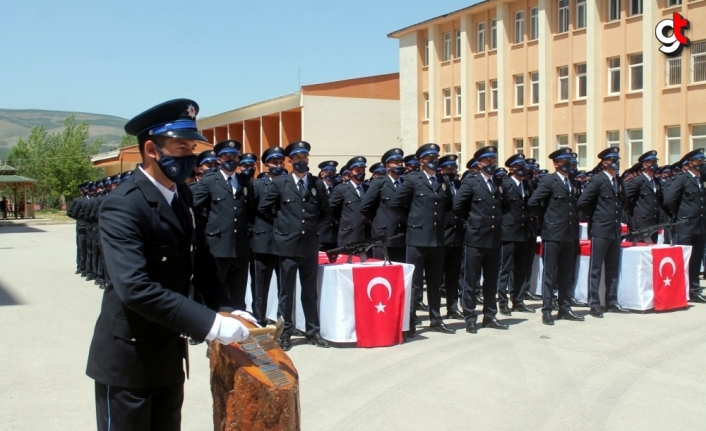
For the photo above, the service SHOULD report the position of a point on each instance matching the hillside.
(17, 123)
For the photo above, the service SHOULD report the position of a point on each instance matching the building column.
(410, 95)
(650, 83)
(434, 84)
(505, 84)
(547, 142)
(595, 84)
(466, 89)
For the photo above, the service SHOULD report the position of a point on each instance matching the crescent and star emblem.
(380, 281)
(670, 261)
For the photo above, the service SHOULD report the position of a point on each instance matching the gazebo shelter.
(10, 179)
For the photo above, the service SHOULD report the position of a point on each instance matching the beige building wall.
(497, 41)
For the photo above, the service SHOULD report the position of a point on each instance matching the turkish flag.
(668, 278)
(379, 304)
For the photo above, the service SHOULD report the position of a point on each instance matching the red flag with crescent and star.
(379, 304)
(668, 279)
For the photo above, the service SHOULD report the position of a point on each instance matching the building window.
(447, 148)
(581, 81)
(494, 144)
(494, 34)
(612, 138)
(581, 149)
(426, 106)
(698, 136)
(634, 145)
(458, 149)
(519, 146)
(671, 3)
(635, 72)
(563, 24)
(426, 52)
(493, 94)
(534, 148)
(562, 141)
(698, 61)
(581, 14)
(635, 7)
(447, 46)
(673, 71)
(613, 10)
(481, 96)
(458, 101)
(534, 23)
(447, 102)
(519, 26)
(519, 90)
(673, 144)
(481, 37)
(479, 145)
(458, 43)
(563, 89)
(534, 89)
(614, 75)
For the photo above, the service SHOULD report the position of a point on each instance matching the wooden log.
(255, 386)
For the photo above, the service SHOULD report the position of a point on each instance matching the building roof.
(397, 33)
(16, 179)
(6, 169)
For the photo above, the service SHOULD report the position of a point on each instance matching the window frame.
(560, 138)
(614, 10)
(519, 35)
(579, 77)
(493, 34)
(481, 101)
(494, 100)
(446, 99)
(459, 100)
(534, 23)
(636, 4)
(669, 140)
(534, 88)
(480, 37)
(693, 58)
(612, 70)
(612, 143)
(633, 68)
(563, 81)
(458, 43)
(447, 46)
(521, 148)
(426, 105)
(692, 136)
(581, 147)
(519, 90)
(562, 15)
(633, 155)
(534, 149)
(581, 14)
(426, 53)
(668, 69)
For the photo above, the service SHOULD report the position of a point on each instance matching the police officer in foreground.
(426, 200)
(603, 201)
(516, 235)
(685, 197)
(376, 208)
(300, 203)
(153, 254)
(644, 195)
(554, 201)
(345, 204)
(328, 233)
(265, 260)
(453, 238)
(479, 203)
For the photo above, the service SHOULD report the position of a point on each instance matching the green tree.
(127, 141)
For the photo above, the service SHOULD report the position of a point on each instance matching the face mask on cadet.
(177, 169)
(302, 167)
(652, 168)
(615, 165)
(276, 170)
(566, 169)
(359, 177)
(228, 165)
(398, 170)
(700, 168)
(248, 172)
(490, 169)
(520, 173)
(432, 164)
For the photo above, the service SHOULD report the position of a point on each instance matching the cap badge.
(301, 144)
(230, 144)
(397, 151)
(191, 111)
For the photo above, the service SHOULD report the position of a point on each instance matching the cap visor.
(186, 134)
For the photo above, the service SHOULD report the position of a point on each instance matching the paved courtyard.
(624, 372)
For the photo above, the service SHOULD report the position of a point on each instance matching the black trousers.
(261, 269)
(559, 262)
(132, 409)
(513, 272)
(488, 261)
(90, 235)
(81, 246)
(697, 243)
(308, 267)
(429, 262)
(604, 252)
(529, 263)
(95, 246)
(234, 274)
(452, 273)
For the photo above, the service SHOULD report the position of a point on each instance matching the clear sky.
(122, 57)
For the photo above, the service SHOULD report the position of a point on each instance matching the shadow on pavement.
(6, 298)
(19, 229)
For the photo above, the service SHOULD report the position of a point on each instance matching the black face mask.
(432, 164)
(301, 167)
(520, 173)
(229, 165)
(615, 165)
(652, 168)
(398, 170)
(249, 172)
(337, 180)
(451, 177)
(210, 170)
(700, 168)
(573, 172)
(457, 182)
(328, 178)
(177, 169)
(276, 170)
(359, 177)
(565, 169)
(490, 169)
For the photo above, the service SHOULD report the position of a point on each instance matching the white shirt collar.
(562, 176)
(392, 179)
(648, 177)
(518, 182)
(486, 176)
(296, 179)
(425, 173)
(692, 174)
(609, 175)
(167, 193)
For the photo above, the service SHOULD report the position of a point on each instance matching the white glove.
(247, 316)
(230, 330)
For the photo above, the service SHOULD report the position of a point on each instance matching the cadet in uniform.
(426, 200)
(378, 170)
(228, 201)
(153, 254)
(685, 197)
(479, 203)
(644, 195)
(345, 205)
(554, 201)
(265, 259)
(300, 203)
(73, 212)
(516, 235)
(411, 164)
(453, 238)
(328, 233)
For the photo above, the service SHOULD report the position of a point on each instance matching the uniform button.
(133, 340)
(302, 232)
(235, 230)
(303, 211)
(493, 226)
(235, 208)
(435, 211)
(235, 219)
(493, 217)
(302, 221)
(164, 258)
(436, 203)
(435, 222)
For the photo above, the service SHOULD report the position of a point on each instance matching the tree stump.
(255, 387)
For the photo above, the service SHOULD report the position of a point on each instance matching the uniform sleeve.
(268, 202)
(463, 198)
(324, 205)
(539, 197)
(587, 200)
(126, 260)
(202, 196)
(672, 194)
(404, 195)
(371, 201)
(336, 203)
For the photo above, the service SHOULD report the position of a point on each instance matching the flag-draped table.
(364, 303)
(651, 277)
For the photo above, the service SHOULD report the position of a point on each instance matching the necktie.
(491, 186)
(230, 184)
(567, 184)
(615, 186)
(432, 181)
(330, 190)
(652, 183)
(360, 191)
(397, 184)
(302, 189)
(177, 210)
